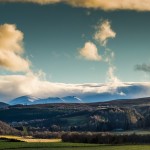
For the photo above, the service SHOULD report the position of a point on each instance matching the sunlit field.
(28, 143)
(31, 140)
(68, 146)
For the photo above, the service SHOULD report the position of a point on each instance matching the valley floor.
(67, 146)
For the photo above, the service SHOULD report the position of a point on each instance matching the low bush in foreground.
(47, 135)
(2, 139)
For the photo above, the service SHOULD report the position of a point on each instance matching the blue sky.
(54, 34)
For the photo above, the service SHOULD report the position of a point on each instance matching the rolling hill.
(101, 116)
(6, 129)
(3, 105)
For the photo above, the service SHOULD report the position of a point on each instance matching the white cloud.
(90, 52)
(104, 32)
(18, 85)
(111, 76)
(33, 1)
(11, 49)
(137, 5)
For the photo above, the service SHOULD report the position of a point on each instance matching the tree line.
(105, 138)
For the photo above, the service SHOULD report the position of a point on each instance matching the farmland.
(67, 146)
(55, 144)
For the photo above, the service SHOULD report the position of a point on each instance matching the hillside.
(6, 129)
(128, 102)
(105, 116)
(3, 105)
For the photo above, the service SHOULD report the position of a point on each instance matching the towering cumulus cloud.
(104, 32)
(138, 5)
(90, 52)
(11, 49)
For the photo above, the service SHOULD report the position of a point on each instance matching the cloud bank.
(14, 86)
(137, 5)
(104, 32)
(11, 49)
(90, 52)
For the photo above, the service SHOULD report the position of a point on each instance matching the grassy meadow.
(56, 144)
(67, 146)
(28, 143)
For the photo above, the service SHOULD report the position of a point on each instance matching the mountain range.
(29, 100)
(104, 93)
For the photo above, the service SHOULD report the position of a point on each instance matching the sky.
(72, 42)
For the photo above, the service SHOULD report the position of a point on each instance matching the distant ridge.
(126, 102)
(3, 105)
(24, 100)
(29, 100)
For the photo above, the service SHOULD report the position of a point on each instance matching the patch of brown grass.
(29, 139)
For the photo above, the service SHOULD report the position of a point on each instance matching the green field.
(67, 146)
